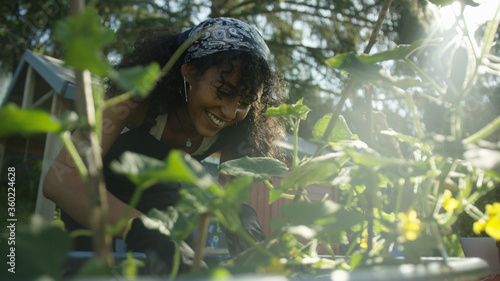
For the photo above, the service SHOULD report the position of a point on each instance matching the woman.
(212, 100)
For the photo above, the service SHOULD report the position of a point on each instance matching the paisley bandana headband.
(223, 34)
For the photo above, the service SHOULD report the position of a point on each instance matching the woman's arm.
(63, 184)
(226, 154)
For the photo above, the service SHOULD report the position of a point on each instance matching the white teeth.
(216, 120)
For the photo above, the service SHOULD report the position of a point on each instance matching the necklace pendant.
(188, 143)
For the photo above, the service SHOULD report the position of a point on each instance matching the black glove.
(248, 217)
(158, 247)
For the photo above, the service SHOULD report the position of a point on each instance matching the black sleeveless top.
(159, 196)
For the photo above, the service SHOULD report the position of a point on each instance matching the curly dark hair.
(257, 131)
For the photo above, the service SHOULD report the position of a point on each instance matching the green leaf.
(355, 260)
(278, 244)
(297, 110)
(370, 158)
(14, 120)
(306, 213)
(237, 191)
(226, 199)
(139, 79)
(145, 171)
(302, 231)
(400, 52)
(177, 223)
(275, 194)
(130, 267)
(363, 155)
(257, 168)
(321, 169)
(340, 132)
(409, 139)
(41, 249)
(358, 69)
(94, 267)
(363, 67)
(422, 246)
(326, 220)
(163, 221)
(84, 37)
(442, 2)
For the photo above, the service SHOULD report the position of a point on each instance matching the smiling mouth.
(216, 120)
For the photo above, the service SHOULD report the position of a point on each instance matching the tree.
(301, 34)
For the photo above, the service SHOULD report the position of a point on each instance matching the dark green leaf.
(257, 168)
(279, 244)
(84, 37)
(14, 120)
(41, 249)
(216, 197)
(145, 171)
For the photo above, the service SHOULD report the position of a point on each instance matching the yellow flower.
(363, 239)
(479, 226)
(409, 226)
(275, 267)
(493, 210)
(491, 223)
(449, 203)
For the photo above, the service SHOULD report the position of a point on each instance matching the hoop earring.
(185, 89)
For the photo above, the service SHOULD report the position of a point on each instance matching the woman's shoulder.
(130, 112)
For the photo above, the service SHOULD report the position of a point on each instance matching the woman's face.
(212, 107)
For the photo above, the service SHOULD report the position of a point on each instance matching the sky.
(474, 16)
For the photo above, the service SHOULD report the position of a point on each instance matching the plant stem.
(330, 250)
(176, 263)
(118, 98)
(97, 208)
(416, 120)
(295, 129)
(136, 196)
(73, 153)
(235, 226)
(425, 76)
(200, 240)
(484, 132)
(489, 35)
(378, 25)
(80, 232)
